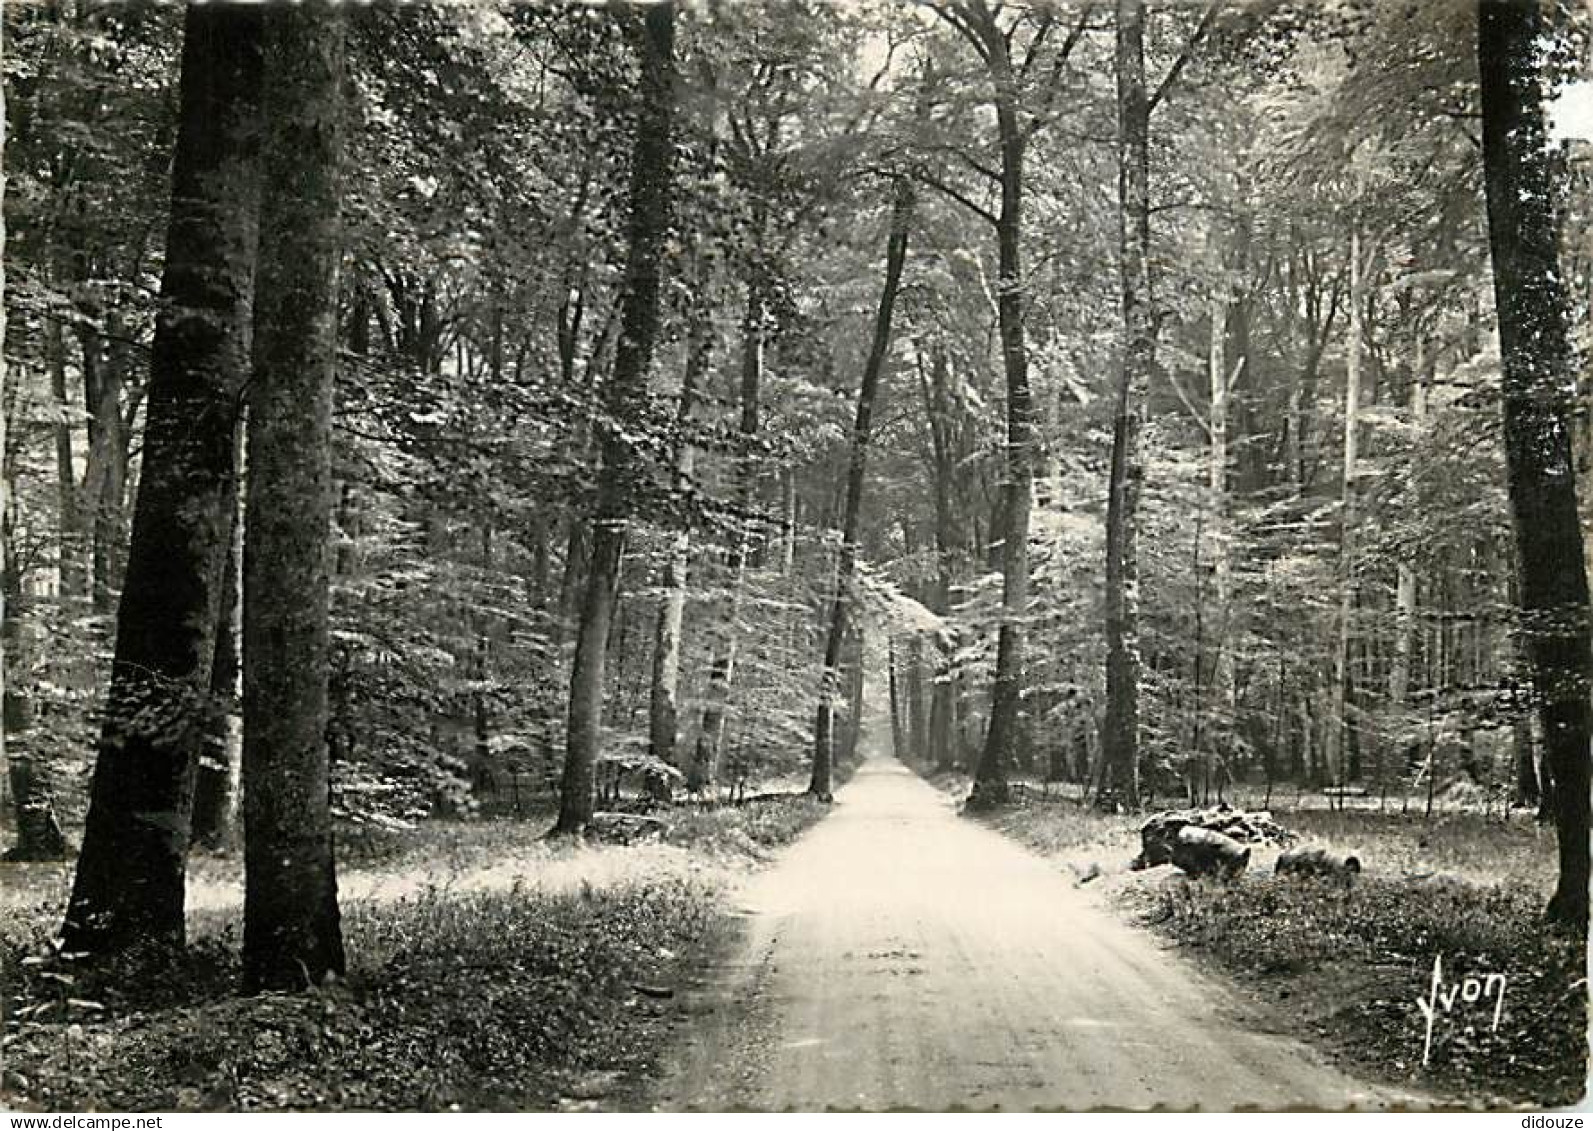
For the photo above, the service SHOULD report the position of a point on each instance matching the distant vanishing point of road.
(901, 957)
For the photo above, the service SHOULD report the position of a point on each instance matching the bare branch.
(1054, 81)
(1201, 31)
(979, 210)
(954, 15)
(1194, 412)
(1047, 22)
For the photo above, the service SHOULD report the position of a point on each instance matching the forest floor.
(899, 957)
(1345, 969)
(489, 970)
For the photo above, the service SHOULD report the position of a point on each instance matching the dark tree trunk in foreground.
(292, 933)
(1539, 387)
(130, 874)
(1002, 739)
(624, 398)
(821, 783)
(1120, 732)
(214, 803)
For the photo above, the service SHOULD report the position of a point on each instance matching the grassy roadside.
(1345, 969)
(512, 974)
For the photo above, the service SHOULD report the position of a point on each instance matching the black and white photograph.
(829, 556)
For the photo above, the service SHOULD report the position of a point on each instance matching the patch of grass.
(1467, 846)
(1061, 827)
(1053, 823)
(486, 1000)
(540, 986)
(1354, 963)
(751, 828)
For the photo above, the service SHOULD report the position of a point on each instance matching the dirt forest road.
(902, 957)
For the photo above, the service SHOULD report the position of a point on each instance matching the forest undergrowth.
(1344, 969)
(496, 970)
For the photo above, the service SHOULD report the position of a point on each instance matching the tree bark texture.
(1120, 732)
(130, 873)
(1002, 739)
(1539, 390)
(624, 402)
(292, 933)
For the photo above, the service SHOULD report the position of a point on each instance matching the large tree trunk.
(1003, 738)
(1539, 388)
(1120, 730)
(130, 873)
(624, 400)
(292, 930)
(830, 688)
(663, 715)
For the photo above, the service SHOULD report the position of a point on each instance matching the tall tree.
(130, 873)
(901, 218)
(292, 932)
(663, 716)
(1338, 736)
(977, 21)
(1120, 731)
(1539, 389)
(722, 667)
(944, 456)
(5, 501)
(652, 161)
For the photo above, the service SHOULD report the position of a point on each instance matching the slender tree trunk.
(292, 930)
(28, 768)
(1539, 387)
(1222, 382)
(901, 220)
(722, 667)
(624, 396)
(1338, 731)
(663, 717)
(948, 543)
(215, 796)
(1405, 583)
(105, 476)
(854, 700)
(898, 729)
(917, 707)
(68, 522)
(1120, 733)
(130, 873)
